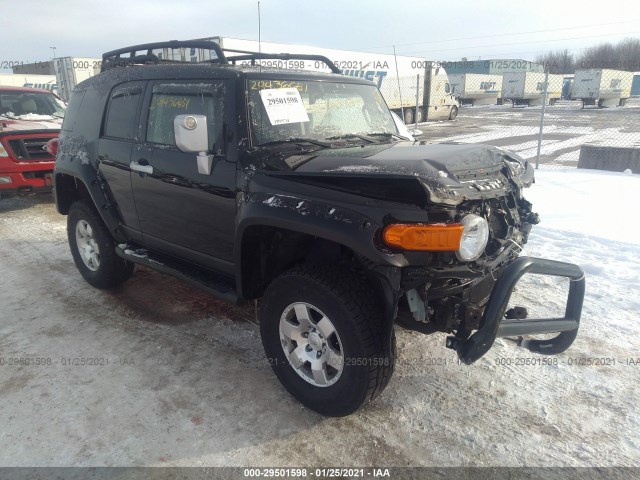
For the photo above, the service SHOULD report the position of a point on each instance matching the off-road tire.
(408, 116)
(112, 270)
(352, 308)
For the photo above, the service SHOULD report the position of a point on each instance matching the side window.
(75, 102)
(121, 113)
(167, 101)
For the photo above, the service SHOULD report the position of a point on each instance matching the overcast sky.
(434, 30)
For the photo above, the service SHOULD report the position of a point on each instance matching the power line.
(537, 52)
(522, 55)
(503, 34)
(524, 43)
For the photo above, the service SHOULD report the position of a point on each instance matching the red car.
(29, 119)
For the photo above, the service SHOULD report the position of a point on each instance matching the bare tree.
(560, 61)
(625, 55)
(629, 54)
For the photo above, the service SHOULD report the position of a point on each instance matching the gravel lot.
(181, 380)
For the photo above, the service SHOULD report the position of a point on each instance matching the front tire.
(453, 113)
(93, 249)
(323, 335)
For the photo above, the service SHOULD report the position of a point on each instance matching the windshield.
(24, 105)
(282, 110)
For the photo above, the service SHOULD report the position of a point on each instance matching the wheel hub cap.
(315, 341)
(87, 245)
(311, 344)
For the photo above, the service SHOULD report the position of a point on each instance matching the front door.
(183, 212)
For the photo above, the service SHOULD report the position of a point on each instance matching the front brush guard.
(493, 323)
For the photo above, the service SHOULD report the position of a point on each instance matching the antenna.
(259, 36)
(398, 77)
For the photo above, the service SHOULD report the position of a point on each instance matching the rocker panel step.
(220, 286)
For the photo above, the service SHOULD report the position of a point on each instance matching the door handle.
(141, 166)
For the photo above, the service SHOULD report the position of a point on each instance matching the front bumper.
(25, 183)
(494, 324)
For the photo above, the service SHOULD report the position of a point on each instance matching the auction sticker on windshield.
(284, 105)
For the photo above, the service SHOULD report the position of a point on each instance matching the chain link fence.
(589, 119)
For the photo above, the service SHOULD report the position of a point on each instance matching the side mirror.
(191, 135)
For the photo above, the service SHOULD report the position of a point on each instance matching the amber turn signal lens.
(435, 237)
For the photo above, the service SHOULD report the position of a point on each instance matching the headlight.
(474, 237)
(517, 166)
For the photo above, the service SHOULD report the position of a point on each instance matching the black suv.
(296, 187)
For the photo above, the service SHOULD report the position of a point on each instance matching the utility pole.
(259, 36)
(54, 51)
(544, 104)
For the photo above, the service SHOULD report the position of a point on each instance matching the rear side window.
(168, 101)
(75, 103)
(121, 112)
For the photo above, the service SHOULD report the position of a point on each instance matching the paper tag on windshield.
(284, 105)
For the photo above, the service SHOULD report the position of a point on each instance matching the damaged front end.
(453, 220)
(466, 292)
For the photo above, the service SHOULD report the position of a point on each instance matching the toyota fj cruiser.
(296, 187)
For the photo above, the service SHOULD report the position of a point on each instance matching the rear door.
(117, 140)
(183, 212)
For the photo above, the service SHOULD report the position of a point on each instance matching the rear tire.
(408, 116)
(93, 248)
(324, 338)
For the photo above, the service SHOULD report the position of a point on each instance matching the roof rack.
(253, 56)
(134, 56)
(143, 55)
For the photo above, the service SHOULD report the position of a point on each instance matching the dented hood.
(443, 173)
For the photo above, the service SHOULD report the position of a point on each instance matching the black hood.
(447, 173)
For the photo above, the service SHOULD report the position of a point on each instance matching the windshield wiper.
(386, 134)
(351, 135)
(312, 141)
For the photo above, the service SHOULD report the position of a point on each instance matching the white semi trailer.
(527, 88)
(476, 88)
(602, 87)
(72, 70)
(396, 76)
(44, 82)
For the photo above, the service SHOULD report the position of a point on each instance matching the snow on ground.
(591, 203)
(586, 219)
(187, 382)
(566, 129)
(492, 132)
(579, 136)
(576, 136)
